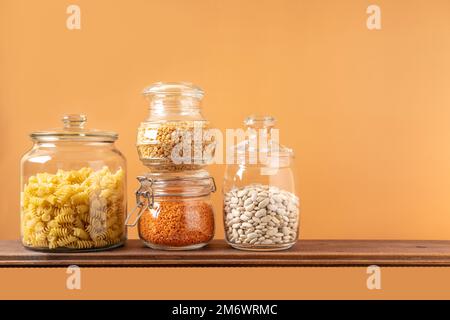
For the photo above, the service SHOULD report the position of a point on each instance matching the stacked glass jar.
(173, 200)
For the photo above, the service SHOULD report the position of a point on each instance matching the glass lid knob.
(74, 121)
(260, 122)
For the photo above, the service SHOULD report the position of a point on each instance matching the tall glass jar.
(175, 210)
(261, 209)
(172, 136)
(73, 189)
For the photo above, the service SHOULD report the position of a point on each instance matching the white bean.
(260, 215)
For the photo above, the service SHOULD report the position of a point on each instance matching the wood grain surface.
(219, 254)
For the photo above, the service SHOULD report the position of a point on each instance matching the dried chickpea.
(155, 144)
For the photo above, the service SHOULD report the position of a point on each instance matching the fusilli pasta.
(80, 209)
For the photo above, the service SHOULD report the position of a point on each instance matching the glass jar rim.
(260, 121)
(195, 185)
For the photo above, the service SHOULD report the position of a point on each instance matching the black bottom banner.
(228, 309)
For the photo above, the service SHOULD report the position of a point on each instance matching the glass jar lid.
(175, 184)
(186, 89)
(261, 139)
(74, 129)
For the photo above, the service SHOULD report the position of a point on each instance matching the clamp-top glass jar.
(73, 189)
(171, 138)
(261, 210)
(175, 210)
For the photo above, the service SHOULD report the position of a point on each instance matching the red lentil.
(178, 223)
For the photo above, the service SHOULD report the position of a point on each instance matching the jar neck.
(190, 197)
(180, 187)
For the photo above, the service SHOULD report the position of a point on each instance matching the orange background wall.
(367, 112)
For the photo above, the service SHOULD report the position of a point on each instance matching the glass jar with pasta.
(73, 189)
(175, 136)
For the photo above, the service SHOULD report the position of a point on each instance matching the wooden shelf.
(219, 254)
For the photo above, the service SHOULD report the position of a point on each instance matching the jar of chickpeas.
(174, 136)
(73, 189)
